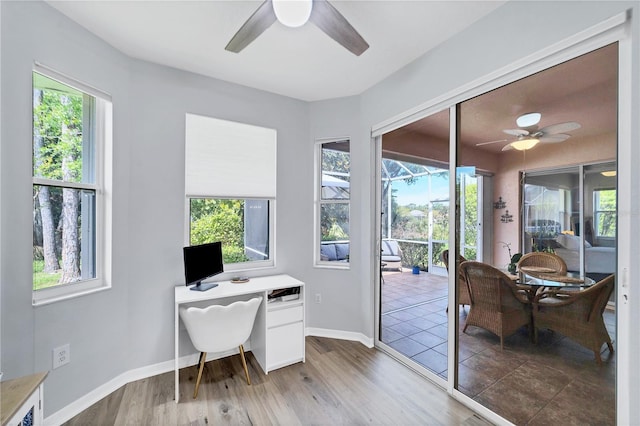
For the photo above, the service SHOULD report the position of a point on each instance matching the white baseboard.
(340, 334)
(81, 404)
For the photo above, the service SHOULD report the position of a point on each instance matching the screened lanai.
(415, 210)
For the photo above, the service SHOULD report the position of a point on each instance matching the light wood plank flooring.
(341, 382)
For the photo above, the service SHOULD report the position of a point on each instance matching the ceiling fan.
(529, 135)
(295, 13)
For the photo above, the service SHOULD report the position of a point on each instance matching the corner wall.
(129, 326)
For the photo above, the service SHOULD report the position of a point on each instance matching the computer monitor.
(201, 262)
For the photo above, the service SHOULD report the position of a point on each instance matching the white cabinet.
(22, 400)
(285, 333)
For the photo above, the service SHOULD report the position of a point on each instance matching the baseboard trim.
(339, 334)
(78, 406)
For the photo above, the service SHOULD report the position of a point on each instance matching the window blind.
(229, 159)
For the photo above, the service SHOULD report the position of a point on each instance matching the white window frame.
(102, 150)
(319, 202)
(597, 212)
(242, 266)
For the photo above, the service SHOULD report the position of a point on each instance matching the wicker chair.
(576, 314)
(496, 304)
(543, 260)
(463, 290)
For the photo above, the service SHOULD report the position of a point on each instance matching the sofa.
(338, 251)
(334, 251)
(597, 259)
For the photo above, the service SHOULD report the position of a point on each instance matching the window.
(604, 204)
(241, 225)
(230, 186)
(70, 130)
(333, 203)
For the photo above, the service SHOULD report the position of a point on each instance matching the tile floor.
(554, 382)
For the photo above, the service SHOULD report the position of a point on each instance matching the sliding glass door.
(547, 185)
(572, 212)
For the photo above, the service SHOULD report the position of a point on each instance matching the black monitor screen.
(202, 261)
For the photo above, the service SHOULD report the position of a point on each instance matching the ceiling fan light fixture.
(524, 144)
(609, 173)
(292, 13)
(529, 119)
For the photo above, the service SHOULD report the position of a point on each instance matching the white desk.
(277, 338)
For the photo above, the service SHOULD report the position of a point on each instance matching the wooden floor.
(342, 382)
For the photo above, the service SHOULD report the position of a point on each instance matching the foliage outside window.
(470, 218)
(415, 210)
(604, 203)
(66, 186)
(334, 197)
(241, 225)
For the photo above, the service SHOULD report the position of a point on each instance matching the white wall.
(131, 325)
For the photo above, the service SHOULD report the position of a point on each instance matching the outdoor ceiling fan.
(529, 135)
(295, 13)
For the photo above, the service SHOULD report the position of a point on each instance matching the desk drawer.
(285, 316)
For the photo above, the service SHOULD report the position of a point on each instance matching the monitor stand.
(204, 286)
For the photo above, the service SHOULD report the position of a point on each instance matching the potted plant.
(414, 255)
(514, 263)
(513, 259)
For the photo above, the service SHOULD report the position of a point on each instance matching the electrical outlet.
(318, 298)
(61, 356)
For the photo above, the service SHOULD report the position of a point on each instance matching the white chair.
(219, 328)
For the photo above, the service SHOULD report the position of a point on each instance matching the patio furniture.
(496, 304)
(334, 251)
(576, 314)
(463, 290)
(391, 254)
(532, 282)
(542, 262)
(597, 259)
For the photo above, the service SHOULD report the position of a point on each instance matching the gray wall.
(95, 325)
(130, 326)
(510, 33)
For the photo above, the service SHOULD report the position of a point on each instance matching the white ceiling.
(302, 63)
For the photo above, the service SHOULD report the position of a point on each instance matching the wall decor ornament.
(506, 218)
(500, 204)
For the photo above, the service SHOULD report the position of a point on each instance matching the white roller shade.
(229, 159)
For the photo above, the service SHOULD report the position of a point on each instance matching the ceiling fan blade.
(331, 22)
(516, 132)
(257, 23)
(560, 128)
(559, 137)
(490, 142)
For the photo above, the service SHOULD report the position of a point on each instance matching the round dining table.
(532, 278)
